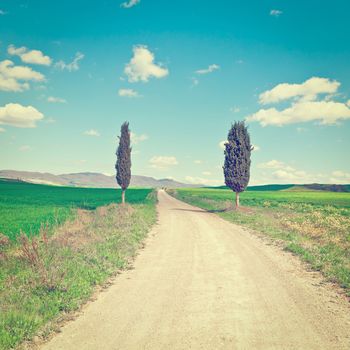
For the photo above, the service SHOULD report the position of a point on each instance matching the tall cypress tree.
(123, 164)
(237, 159)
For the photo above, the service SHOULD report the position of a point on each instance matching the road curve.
(204, 283)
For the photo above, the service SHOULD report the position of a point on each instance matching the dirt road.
(203, 283)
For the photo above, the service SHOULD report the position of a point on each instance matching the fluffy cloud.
(72, 66)
(326, 112)
(20, 116)
(210, 69)
(29, 56)
(306, 105)
(341, 177)
(130, 3)
(282, 172)
(202, 181)
(272, 164)
(348, 103)
(2, 130)
(142, 67)
(275, 171)
(163, 162)
(53, 99)
(197, 161)
(307, 90)
(25, 148)
(15, 78)
(135, 139)
(275, 13)
(128, 93)
(92, 132)
(222, 144)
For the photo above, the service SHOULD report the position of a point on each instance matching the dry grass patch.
(46, 276)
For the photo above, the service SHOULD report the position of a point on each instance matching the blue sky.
(180, 72)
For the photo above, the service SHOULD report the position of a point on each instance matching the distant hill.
(88, 179)
(306, 187)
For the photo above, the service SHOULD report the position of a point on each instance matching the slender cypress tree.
(237, 159)
(123, 164)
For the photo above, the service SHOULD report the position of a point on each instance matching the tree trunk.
(237, 200)
(123, 196)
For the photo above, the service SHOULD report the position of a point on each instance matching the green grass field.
(272, 198)
(56, 270)
(26, 207)
(312, 224)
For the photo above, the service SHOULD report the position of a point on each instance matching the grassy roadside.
(304, 223)
(44, 277)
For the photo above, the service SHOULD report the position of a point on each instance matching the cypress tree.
(123, 164)
(237, 159)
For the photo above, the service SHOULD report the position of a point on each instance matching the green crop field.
(312, 224)
(25, 207)
(46, 276)
(298, 200)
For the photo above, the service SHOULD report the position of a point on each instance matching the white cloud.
(307, 91)
(25, 148)
(53, 99)
(72, 66)
(91, 132)
(202, 181)
(210, 69)
(163, 162)
(2, 130)
(12, 77)
(130, 3)
(206, 173)
(348, 103)
(325, 112)
(222, 144)
(235, 109)
(135, 139)
(128, 93)
(296, 176)
(282, 172)
(29, 56)
(272, 164)
(20, 116)
(142, 67)
(275, 13)
(197, 161)
(306, 105)
(340, 177)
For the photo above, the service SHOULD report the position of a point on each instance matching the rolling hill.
(88, 179)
